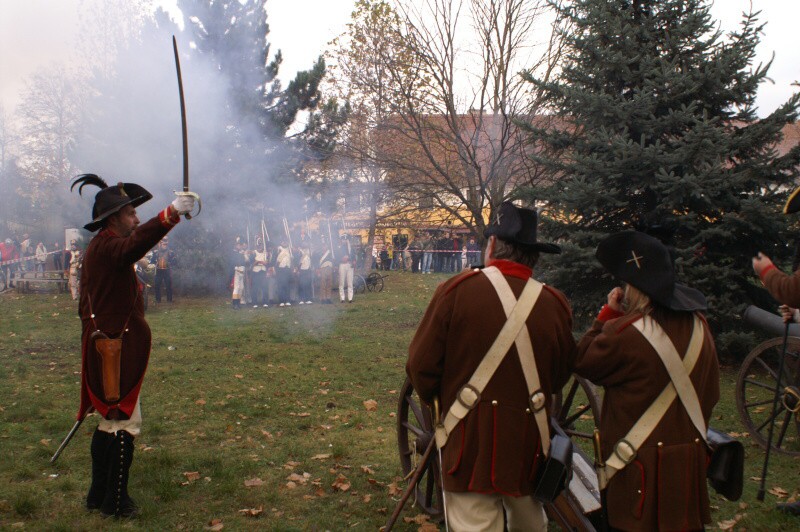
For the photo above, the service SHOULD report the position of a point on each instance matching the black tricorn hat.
(110, 199)
(518, 225)
(644, 262)
(793, 203)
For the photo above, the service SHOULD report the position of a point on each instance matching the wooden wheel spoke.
(767, 367)
(415, 408)
(579, 434)
(567, 403)
(574, 417)
(759, 403)
(770, 418)
(760, 384)
(413, 428)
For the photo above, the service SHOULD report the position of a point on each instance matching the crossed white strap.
(514, 330)
(680, 385)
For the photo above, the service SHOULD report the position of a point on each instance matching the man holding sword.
(116, 338)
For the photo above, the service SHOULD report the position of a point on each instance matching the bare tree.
(49, 117)
(446, 76)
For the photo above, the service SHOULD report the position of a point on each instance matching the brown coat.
(494, 448)
(111, 290)
(664, 488)
(785, 288)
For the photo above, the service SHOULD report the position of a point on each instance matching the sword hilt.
(196, 197)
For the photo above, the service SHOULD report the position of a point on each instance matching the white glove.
(183, 203)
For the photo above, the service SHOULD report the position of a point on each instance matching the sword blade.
(183, 117)
(64, 443)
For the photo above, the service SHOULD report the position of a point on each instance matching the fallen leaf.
(320, 456)
(419, 519)
(341, 483)
(371, 405)
(394, 489)
(778, 492)
(428, 527)
(200, 402)
(239, 376)
(253, 482)
(366, 498)
(291, 485)
(367, 470)
(45, 441)
(215, 524)
(291, 464)
(252, 512)
(191, 476)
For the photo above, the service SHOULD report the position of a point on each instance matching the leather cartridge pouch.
(109, 351)
(554, 473)
(726, 469)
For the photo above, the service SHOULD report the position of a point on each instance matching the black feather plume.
(88, 179)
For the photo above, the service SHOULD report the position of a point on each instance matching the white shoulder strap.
(625, 449)
(658, 338)
(470, 394)
(537, 399)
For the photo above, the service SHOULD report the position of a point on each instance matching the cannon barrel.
(768, 322)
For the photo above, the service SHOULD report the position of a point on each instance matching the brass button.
(527, 410)
(494, 403)
(661, 444)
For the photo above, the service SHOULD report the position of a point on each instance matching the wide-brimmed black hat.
(793, 203)
(518, 225)
(110, 199)
(644, 262)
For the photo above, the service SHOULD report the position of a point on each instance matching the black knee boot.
(99, 448)
(117, 503)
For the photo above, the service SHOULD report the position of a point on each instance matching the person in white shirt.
(346, 269)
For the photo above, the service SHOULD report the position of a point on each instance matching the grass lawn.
(253, 419)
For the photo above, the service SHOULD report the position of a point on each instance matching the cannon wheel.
(359, 284)
(375, 282)
(577, 408)
(755, 390)
(414, 433)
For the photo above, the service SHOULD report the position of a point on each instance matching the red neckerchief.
(514, 269)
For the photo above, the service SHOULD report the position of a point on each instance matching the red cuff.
(764, 272)
(608, 313)
(169, 217)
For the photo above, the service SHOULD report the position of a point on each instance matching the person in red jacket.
(111, 307)
(490, 457)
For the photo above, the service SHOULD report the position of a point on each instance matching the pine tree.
(657, 131)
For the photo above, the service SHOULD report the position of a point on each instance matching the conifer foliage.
(656, 130)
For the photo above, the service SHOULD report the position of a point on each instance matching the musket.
(185, 191)
(69, 435)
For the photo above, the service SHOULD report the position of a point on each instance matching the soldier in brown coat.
(111, 306)
(663, 486)
(786, 289)
(490, 458)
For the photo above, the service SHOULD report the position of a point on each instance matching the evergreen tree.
(656, 130)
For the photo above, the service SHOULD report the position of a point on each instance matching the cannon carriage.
(757, 380)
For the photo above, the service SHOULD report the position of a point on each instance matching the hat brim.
(686, 299)
(95, 224)
(793, 203)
